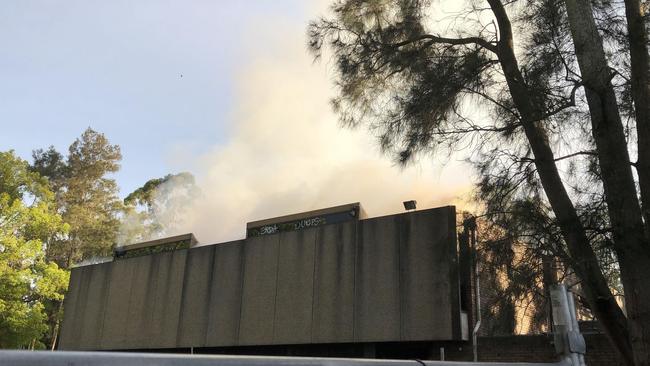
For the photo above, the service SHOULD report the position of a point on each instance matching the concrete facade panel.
(72, 311)
(225, 295)
(424, 277)
(90, 331)
(377, 303)
(167, 295)
(139, 315)
(148, 324)
(333, 317)
(386, 279)
(196, 297)
(259, 291)
(295, 287)
(116, 317)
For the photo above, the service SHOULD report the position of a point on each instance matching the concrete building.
(326, 282)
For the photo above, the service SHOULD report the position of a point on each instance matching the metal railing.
(68, 358)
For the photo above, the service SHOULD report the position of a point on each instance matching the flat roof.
(171, 239)
(308, 214)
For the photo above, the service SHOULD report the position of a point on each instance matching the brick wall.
(600, 351)
(539, 348)
(534, 348)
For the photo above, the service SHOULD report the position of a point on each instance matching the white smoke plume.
(286, 152)
(164, 215)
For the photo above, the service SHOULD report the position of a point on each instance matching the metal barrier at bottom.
(68, 358)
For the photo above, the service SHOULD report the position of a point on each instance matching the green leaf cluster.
(155, 209)
(28, 282)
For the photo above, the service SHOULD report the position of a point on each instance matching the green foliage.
(28, 222)
(87, 198)
(406, 84)
(150, 192)
(50, 164)
(155, 209)
(18, 182)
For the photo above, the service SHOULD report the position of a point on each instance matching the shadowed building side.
(349, 280)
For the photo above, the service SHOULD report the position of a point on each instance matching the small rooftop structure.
(184, 241)
(304, 220)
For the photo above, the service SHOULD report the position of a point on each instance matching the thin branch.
(452, 41)
(496, 102)
(591, 153)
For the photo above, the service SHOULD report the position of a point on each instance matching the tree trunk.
(618, 181)
(56, 319)
(55, 336)
(640, 80)
(584, 260)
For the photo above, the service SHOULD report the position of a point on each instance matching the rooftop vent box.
(170, 244)
(306, 220)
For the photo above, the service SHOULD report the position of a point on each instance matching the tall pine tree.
(87, 197)
(550, 99)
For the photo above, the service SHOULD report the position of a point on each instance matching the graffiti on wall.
(301, 224)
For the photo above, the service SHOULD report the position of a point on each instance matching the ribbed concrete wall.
(225, 294)
(393, 278)
(333, 307)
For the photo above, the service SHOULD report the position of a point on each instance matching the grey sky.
(250, 116)
(117, 66)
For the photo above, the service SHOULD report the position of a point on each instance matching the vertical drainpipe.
(569, 343)
(574, 324)
(470, 226)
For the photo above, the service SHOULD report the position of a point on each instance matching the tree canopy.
(87, 197)
(28, 223)
(63, 210)
(548, 98)
(155, 209)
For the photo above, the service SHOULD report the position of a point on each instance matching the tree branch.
(591, 153)
(452, 41)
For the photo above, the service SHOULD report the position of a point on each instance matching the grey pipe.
(574, 321)
(477, 289)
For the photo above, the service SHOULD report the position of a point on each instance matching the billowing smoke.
(158, 209)
(285, 152)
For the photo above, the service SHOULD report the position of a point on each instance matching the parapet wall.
(386, 279)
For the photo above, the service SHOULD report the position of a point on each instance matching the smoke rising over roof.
(286, 153)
